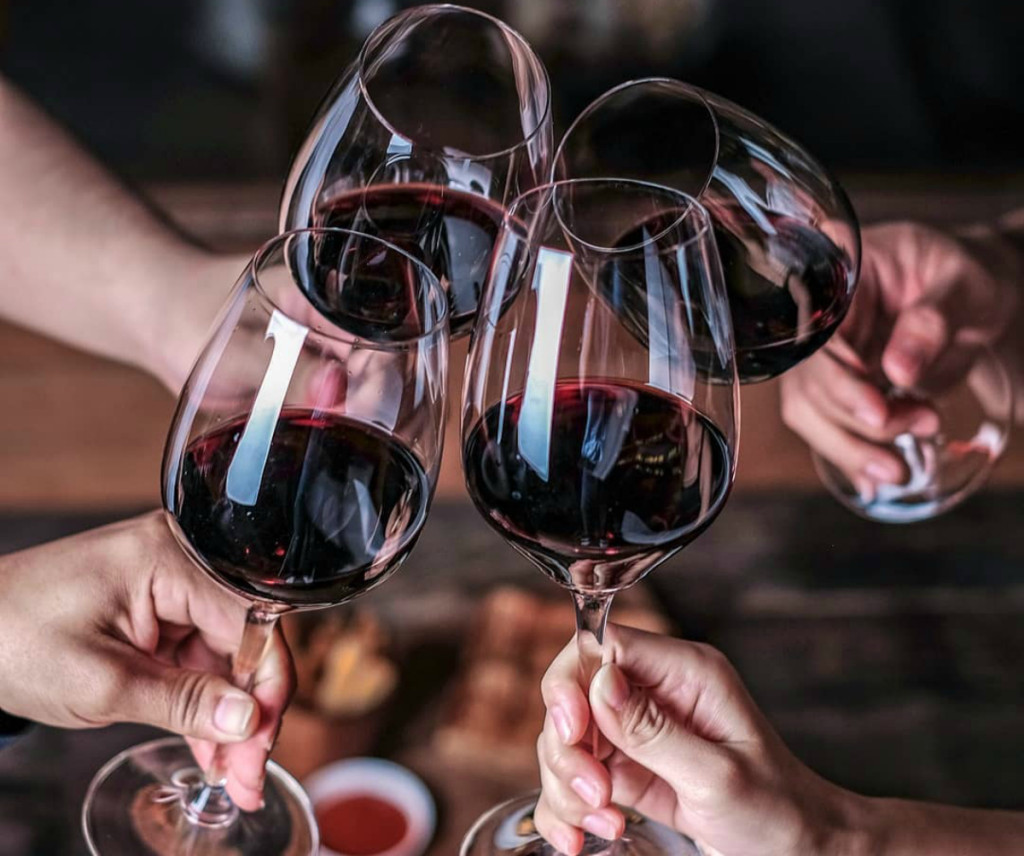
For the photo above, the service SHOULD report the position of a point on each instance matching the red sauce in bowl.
(360, 825)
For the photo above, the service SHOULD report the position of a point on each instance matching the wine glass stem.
(591, 619)
(210, 804)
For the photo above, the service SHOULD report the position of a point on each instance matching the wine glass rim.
(693, 207)
(440, 321)
(431, 8)
(671, 82)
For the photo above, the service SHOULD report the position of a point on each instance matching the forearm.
(907, 828)
(81, 259)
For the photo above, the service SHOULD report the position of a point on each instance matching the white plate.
(392, 783)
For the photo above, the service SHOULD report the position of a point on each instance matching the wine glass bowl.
(600, 412)
(786, 233)
(397, 147)
(298, 472)
(944, 468)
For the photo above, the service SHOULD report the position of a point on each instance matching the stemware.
(787, 235)
(444, 117)
(973, 403)
(594, 452)
(298, 472)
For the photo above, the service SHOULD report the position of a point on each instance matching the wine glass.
(298, 472)
(972, 398)
(787, 235)
(444, 117)
(595, 452)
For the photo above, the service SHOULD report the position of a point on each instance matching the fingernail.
(589, 792)
(611, 687)
(871, 416)
(233, 715)
(601, 826)
(883, 471)
(562, 724)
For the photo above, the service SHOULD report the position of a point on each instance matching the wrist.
(185, 302)
(847, 825)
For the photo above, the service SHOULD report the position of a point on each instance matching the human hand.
(925, 305)
(683, 743)
(117, 624)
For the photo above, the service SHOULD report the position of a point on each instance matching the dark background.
(223, 89)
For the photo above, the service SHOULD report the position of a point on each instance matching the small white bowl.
(389, 781)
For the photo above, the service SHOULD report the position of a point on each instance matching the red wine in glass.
(451, 231)
(340, 506)
(633, 475)
(784, 304)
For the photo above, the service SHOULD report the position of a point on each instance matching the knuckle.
(186, 700)
(644, 722)
(714, 660)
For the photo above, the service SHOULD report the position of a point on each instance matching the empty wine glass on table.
(298, 472)
(600, 416)
(970, 401)
(787, 235)
(444, 117)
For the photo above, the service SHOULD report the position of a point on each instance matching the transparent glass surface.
(600, 413)
(443, 119)
(975, 410)
(787, 236)
(507, 830)
(298, 472)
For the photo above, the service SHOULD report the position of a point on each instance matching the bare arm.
(683, 743)
(905, 828)
(84, 261)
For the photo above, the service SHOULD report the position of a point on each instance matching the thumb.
(642, 729)
(919, 337)
(187, 702)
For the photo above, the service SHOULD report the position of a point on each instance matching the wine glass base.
(507, 830)
(137, 804)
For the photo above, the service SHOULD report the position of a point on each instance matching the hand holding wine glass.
(139, 637)
(683, 743)
(596, 452)
(298, 473)
(913, 360)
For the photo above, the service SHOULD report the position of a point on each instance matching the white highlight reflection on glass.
(670, 358)
(246, 471)
(551, 282)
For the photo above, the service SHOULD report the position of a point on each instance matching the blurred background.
(889, 657)
(202, 103)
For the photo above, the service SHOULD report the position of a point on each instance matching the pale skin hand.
(925, 302)
(85, 262)
(686, 746)
(117, 625)
(684, 743)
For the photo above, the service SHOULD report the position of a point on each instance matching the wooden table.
(888, 657)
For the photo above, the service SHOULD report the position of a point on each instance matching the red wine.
(633, 475)
(451, 231)
(340, 506)
(783, 314)
(782, 310)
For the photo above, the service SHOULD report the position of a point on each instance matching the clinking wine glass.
(298, 472)
(444, 117)
(970, 393)
(595, 452)
(786, 233)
